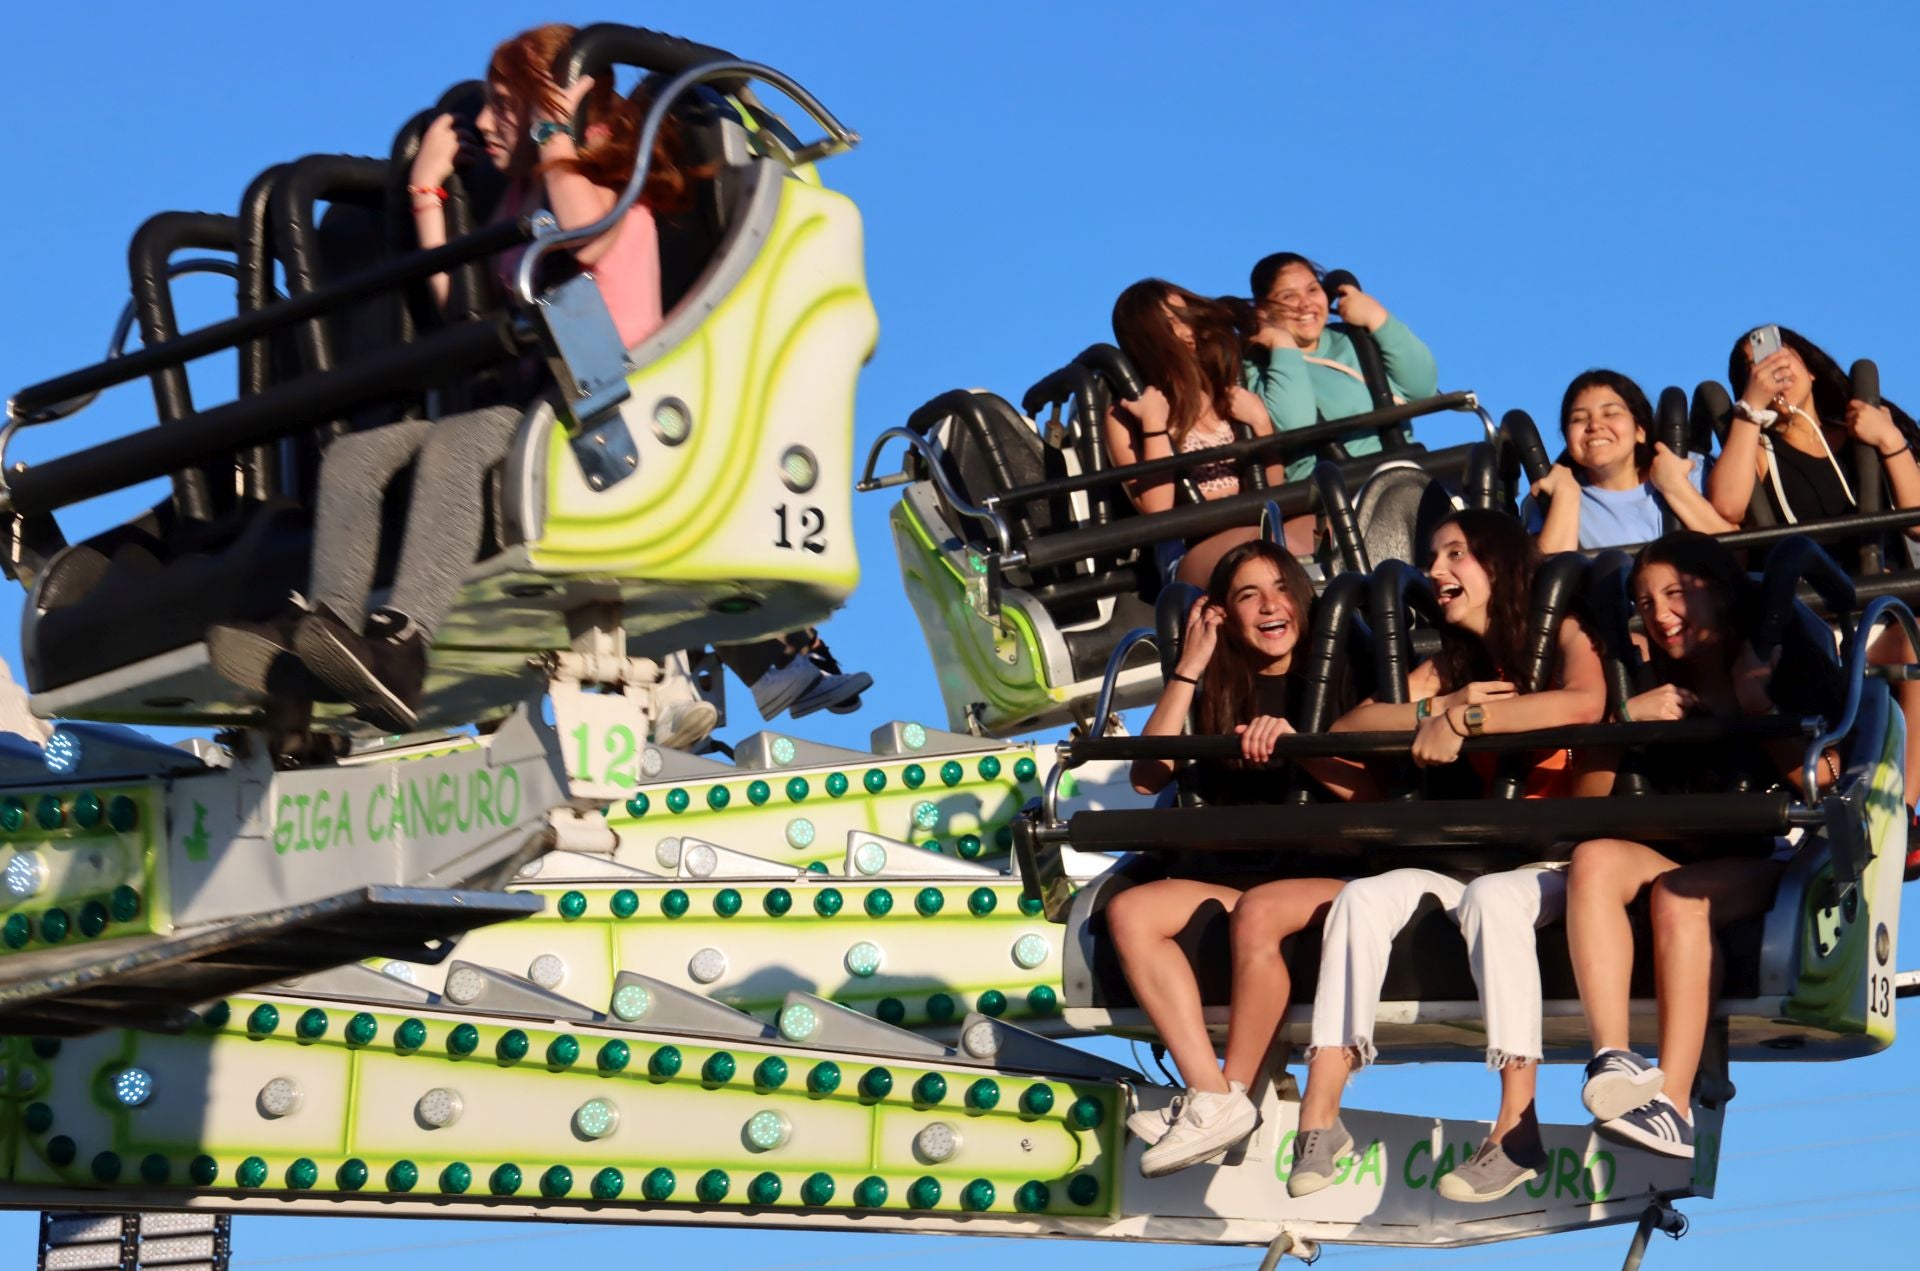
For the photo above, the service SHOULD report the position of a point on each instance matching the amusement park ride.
(528, 964)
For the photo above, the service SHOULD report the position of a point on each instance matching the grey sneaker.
(1209, 1124)
(782, 686)
(1658, 1127)
(1490, 1174)
(1316, 1154)
(1618, 1081)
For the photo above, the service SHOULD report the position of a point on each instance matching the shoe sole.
(335, 664)
(774, 707)
(1311, 1183)
(1199, 1152)
(244, 658)
(688, 735)
(1463, 1197)
(1612, 1095)
(859, 681)
(1637, 1138)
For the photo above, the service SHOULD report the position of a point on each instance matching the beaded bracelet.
(438, 193)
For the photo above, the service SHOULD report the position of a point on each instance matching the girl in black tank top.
(1237, 655)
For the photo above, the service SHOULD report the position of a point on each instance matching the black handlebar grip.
(1057, 389)
(1791, 562)
(1480, 483)
(1559, 581)
(1337, 505)
(1865, 377)
(1326, 661)
(1116, 367)
(1334, 279)
(1712, 410)
(1391, 589)
(1670, 420)
(1520, 431)
(603, 45)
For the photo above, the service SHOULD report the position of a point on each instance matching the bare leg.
(1605, 876)
(1516, 1128)
(1689, 906)
(1196, 566)
(1265, 916)
(1327, 1074)
(1143, 923)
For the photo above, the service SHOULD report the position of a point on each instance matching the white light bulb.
(596, 1119)
(439, 1108)
(667, 852)
(465, 985)
(133, 1086)
(863, 959)
(548, 970)
(1029, 951)
(870, 858)
(630, 1002)
(799, 1022)
(936, 1143)
(707, 965)
(981, 1040)
(25, 875)
(402, 971)
(281, 1097)
(767, 1130)
(701, 860)
(651, 761)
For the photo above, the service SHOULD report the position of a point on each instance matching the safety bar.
(1337, 506)
(1824, 530)
(155, 452)
(1110, 678)
(1794, 561)
(28, 404)
(1200, 519)
(1279, 445)
(611, 46)
(934, 458)
(1883, 609)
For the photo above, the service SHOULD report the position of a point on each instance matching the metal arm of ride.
(930, 453)
(1102, 708)
(839, 137)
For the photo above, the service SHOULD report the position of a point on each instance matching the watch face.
(1475, 718)
(546, 130)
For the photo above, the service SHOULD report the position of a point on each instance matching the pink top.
(1214, 480)
(628, 274)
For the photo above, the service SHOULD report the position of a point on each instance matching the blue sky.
(1534, 189)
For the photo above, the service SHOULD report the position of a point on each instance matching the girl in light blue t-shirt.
(1615, 486)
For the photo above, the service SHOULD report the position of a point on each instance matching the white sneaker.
(782, 686)
(1150, 1125)
(1209, 1124)
(684, 725)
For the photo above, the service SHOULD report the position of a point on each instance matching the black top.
(1813, 489)
(1282, 696)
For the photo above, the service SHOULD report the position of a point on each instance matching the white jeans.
(1497, 914)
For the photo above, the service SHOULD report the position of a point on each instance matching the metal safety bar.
(1882, 609)
(934, 457)
(839, 138)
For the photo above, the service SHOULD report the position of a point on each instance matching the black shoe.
(381, 673)
(260, 657)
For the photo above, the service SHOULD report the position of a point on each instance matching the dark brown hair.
(1195, 379)
(1735, 593)
(1229, 698)
(1831, 388)
(607, 151)
(1507, 553)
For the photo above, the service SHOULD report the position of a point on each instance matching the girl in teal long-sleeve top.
(1305, 372)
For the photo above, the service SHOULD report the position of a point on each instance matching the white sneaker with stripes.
(1658, 1127)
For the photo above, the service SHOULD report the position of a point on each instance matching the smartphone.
(1762, 343)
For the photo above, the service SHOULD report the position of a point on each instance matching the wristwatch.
(1475, 718)
(545, 130)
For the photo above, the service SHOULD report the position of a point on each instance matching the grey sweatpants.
(444, 518)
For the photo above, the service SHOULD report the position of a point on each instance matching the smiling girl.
(1482, 574)
(1240, 642)
(1617, 485)
(1698, 606)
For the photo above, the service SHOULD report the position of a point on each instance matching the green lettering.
(1537, 1186)
(1283, 1159)
(283, 829)
(443, 802)
(374, 820)
(300, 802)
(1374, 1162)
(322, 825)
(463, 810)
(1566, 1173)
(509, 813)
(1406, 1168)
(483, 799)
(420, 805)
(343, 820)
(1599, 1191)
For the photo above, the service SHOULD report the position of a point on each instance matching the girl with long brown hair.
(1187, 350)
(1240, 644)
(1482, 574)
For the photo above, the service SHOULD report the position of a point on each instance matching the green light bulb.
(203, 1170)
(913, 775)
(931, 1088)
(836, 786)
(1042, 1000)
(876, 1083)
(625, 903)
(410, 1036)
(726, 902)
(463, 1040)
(505, 1180)
(362, 1029)
(263, 1019)
(351, 1176)
(891, 1010)
(61, 1150)
(771, 1073)
(879, 903)
(817, 1190)
(38, 1118)
(1084, 1189)
(562, 1051)
(764, 1189)
(608, 1184)
(1033, 1197)
(719, 1069)
(48, 812)
(87, 810)
(983, 1095)
(155, 1169)
(969, 847)
(13, 814)
(402, 1176)
(1086, 1114)
(871, 1192)
(798, 789)
(105, 1167)
(713, 1186)
(638, 803)
(677, 800)
(658, 1185)
(53, 925)
(252, 1172)
(951, 772)
(941, 1007)
(665, 1063)
(827, 901)
(614, 1056)
(512, 1046)
(929, 901)
(981, 901)
(718, 797)
(778, 902)
(17, 931)
(875, 781)
(977, 1196)
(924, 1193)
(93, 919)
(572, 905)
(122, 813)
(989, 767)
(824, 1077)
(556, 1182)
(1037, 1099)
(312, 1024)
(1024, 769)
(456, 1178)
(758, 792)
(674, 904)
(302, 1174)
(124, 904)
